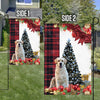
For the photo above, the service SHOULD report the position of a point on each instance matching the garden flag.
(24, 41)
(69, 42)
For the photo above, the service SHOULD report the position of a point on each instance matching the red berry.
(15, 60)
(78, 89)
(63, 25)
(78, 93)
(28, 59)
(89, 87)
(37, 22)
(68, 90)
(85, 89)
(38, 60)
(54, 89)
(21, 63)
(25, 61)
(75, 87)
(61, 88)
(31, 60)
(72, 86)
(63, 93)
(90, 91)
(20, 60)
(31, 63)
(64, 30)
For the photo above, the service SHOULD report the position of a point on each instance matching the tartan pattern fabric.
(51, 51)
(14, 34)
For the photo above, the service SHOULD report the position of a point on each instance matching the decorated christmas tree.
(27, 46)
(72, 66)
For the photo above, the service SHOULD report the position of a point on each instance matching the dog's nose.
(19, 45)
(60, 65)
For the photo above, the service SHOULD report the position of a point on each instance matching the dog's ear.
(56, 60)
(15, 42)
(22, 42)
(65, 61)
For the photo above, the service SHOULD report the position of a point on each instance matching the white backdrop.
(34, 37)
(82, 52)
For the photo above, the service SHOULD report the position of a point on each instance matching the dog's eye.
(58, 60)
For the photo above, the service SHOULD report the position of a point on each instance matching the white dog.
(19, 51)
(61, 74)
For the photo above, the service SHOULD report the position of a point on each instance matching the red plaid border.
(14, 34)
(51, 51)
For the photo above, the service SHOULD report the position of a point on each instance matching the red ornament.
(37, 21)
(63, 93)
(78, 89)
(37, 62)
(64, 30)
(25, 61)
(63, 25)
(61, 88)
(54, 89)
(89, 31)
(20, 60)
(21, 63)
(85, 89)
(87, 28)
(90, 91)
(78, 93)
(68, 89)
(89, 87)
(15, 60)
(75, 87)
(31, 63)
(31, 60)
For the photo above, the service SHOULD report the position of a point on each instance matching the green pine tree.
(72, 66)
(52, 10)
(86, 12)
(27, 46)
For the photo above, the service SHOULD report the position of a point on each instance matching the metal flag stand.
(93, 35)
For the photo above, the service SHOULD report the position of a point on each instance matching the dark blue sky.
(97, 3)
